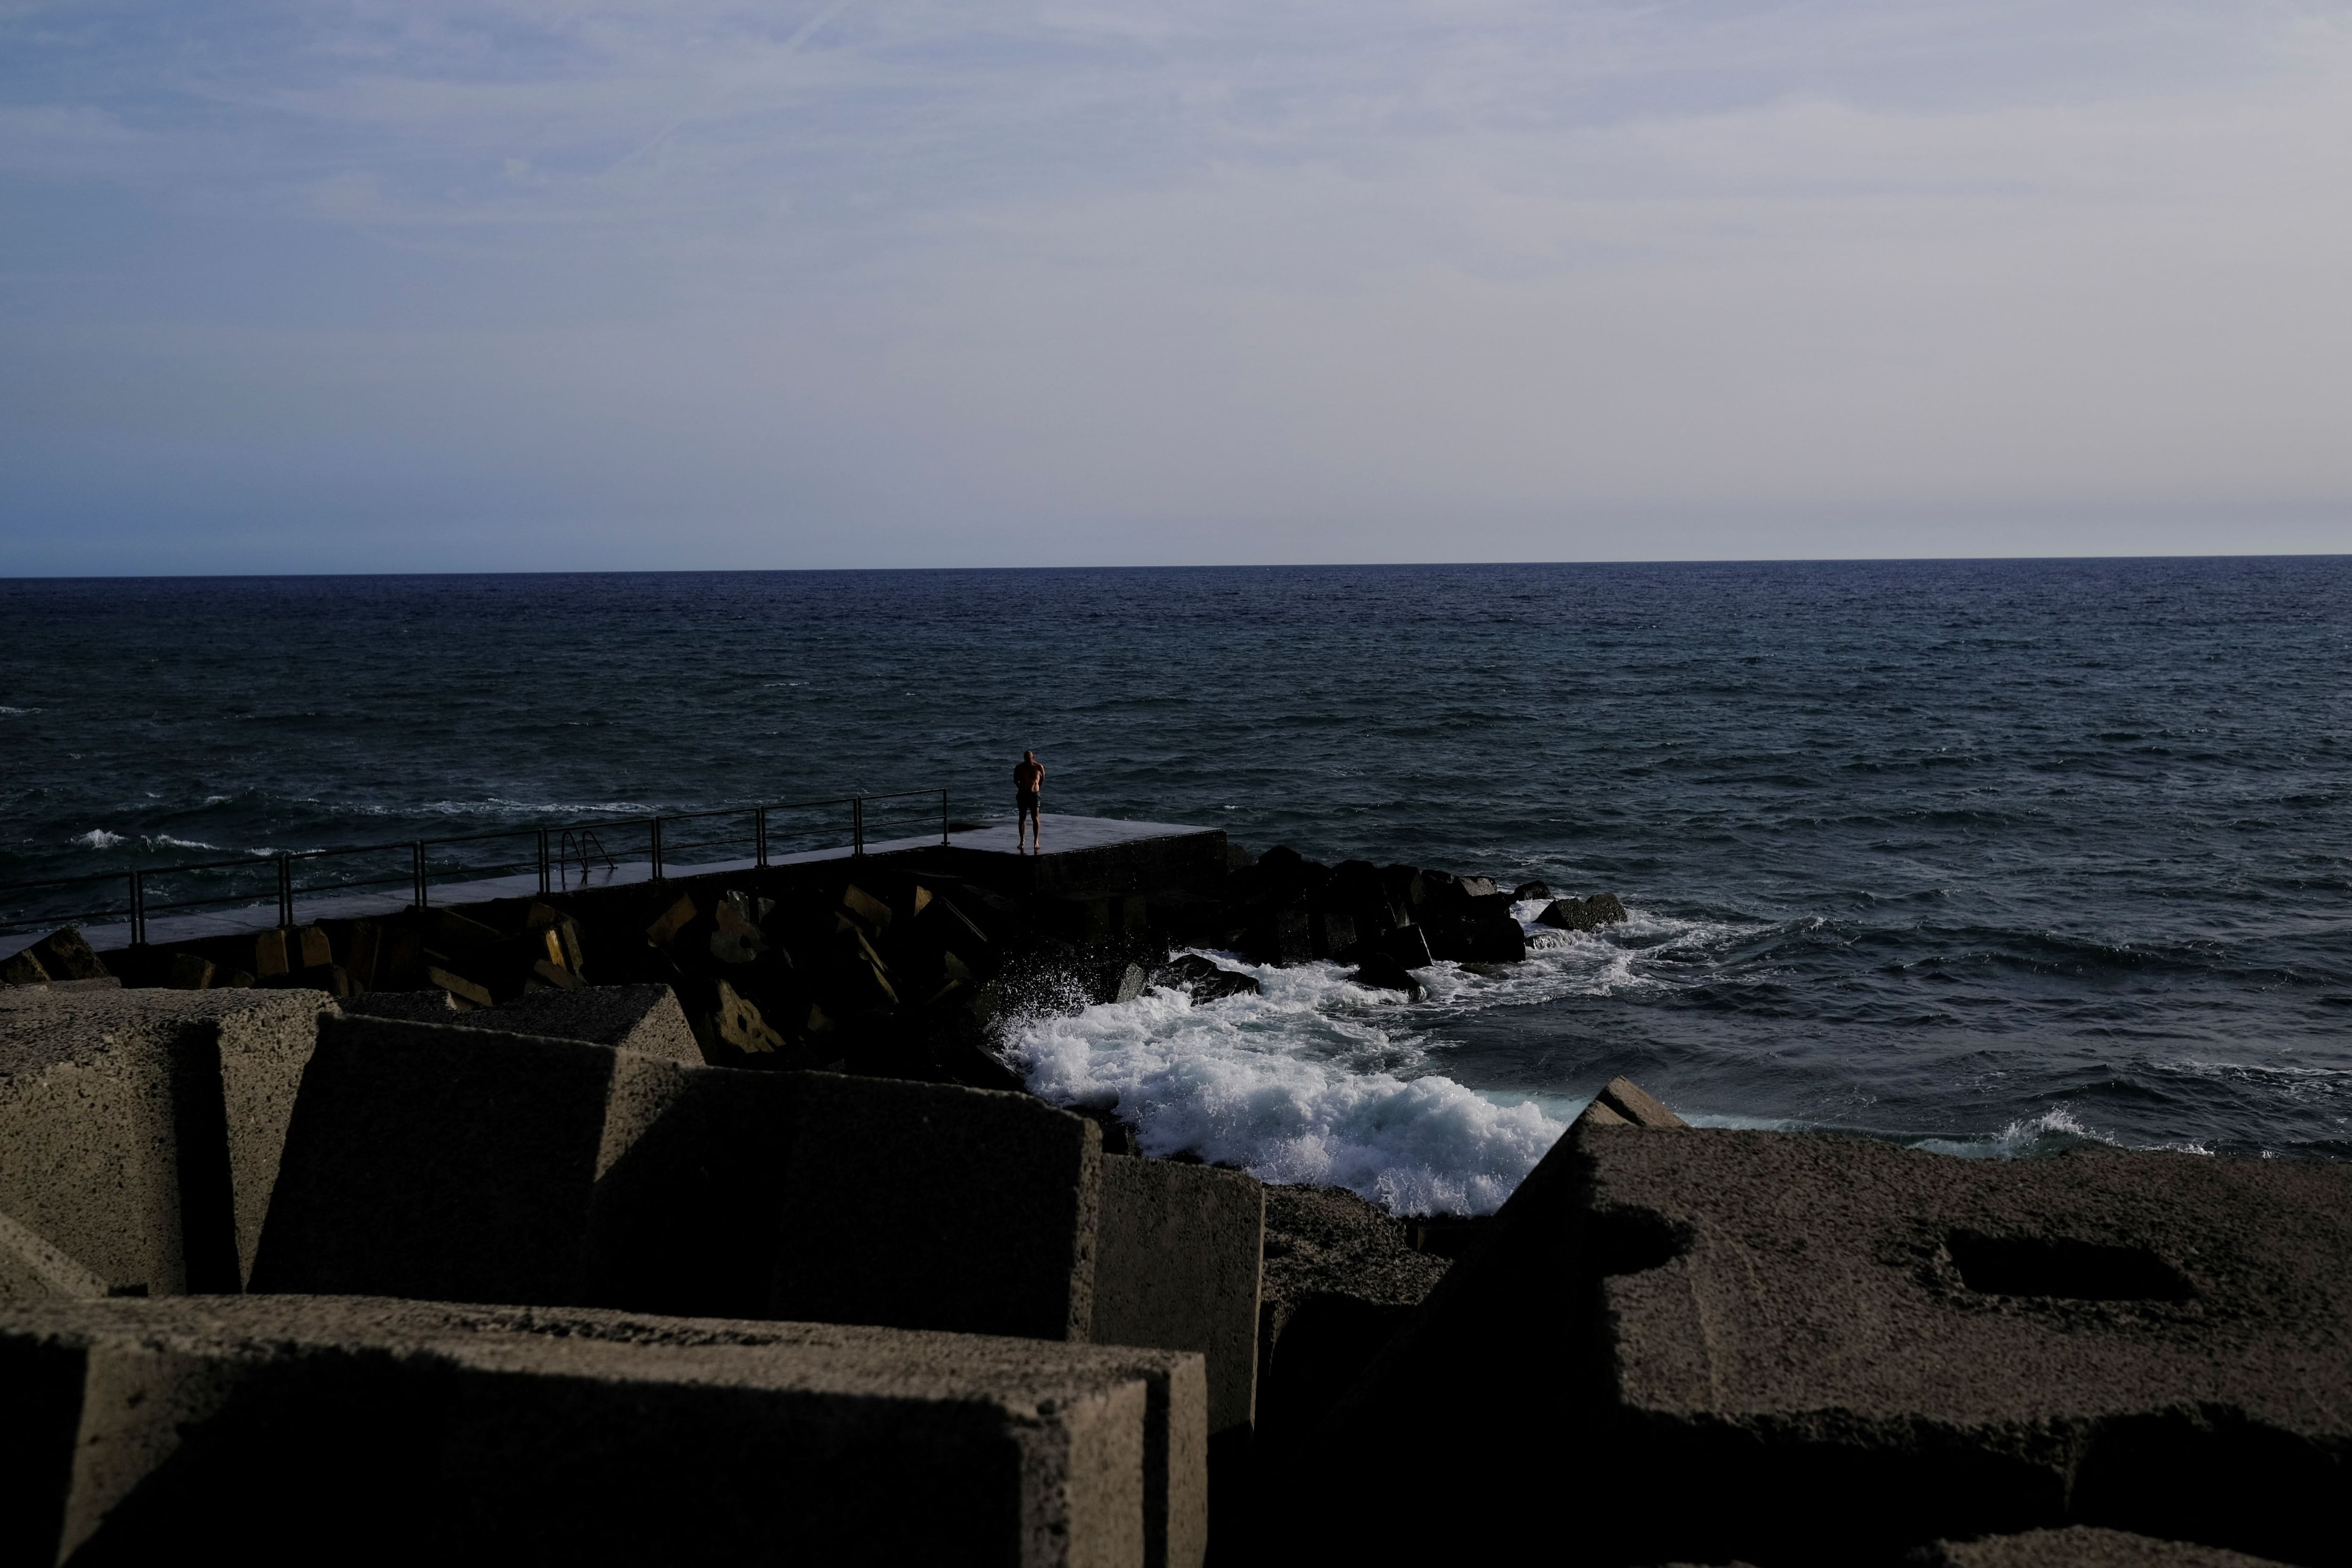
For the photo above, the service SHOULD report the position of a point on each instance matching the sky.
(412, 285)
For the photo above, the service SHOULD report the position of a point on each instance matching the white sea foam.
(1319, 1079)
(2046, 1133)
(1316, 1079)
(99, 839)
(166, 842)
(17, 712)
(1308, 1082)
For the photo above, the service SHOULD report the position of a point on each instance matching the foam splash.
(97, 839)
(1317, 1080)
(2029, 1137)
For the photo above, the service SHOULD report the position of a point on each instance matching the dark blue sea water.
(1988, 855)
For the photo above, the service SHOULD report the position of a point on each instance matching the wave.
(99, 839)
(2052, 1131)
(17, 712)
(1310, 1081)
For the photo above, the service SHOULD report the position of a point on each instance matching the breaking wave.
(1317, 1080)
(99, 839)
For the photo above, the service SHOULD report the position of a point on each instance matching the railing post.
(285, 889)
(858, 824)
(416, 869)
(656, 843)
(139, 909)
(543, 863)
(943, 819)
(760, 835)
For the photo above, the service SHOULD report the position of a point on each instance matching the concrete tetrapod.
(140, 1130)
(1845, 1348)
(282, 1429)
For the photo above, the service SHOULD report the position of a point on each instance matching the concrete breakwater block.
(1177, 1267)
(645, 1019)
(140, 1131)
(931, 1206)
(446, 1163)
(450, 1163)
(282, 1429)
(1848, 1348)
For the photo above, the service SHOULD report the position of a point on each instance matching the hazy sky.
(517, 285)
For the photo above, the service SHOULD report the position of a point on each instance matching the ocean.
(1989, 857)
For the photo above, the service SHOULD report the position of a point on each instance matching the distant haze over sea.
(1994, 856)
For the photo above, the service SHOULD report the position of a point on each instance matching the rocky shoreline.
(611, 1225)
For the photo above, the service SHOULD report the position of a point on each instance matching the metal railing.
(562, 857)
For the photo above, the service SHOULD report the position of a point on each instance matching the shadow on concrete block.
(283, 1430)
(1176, 1260)
(927, 1205)
(453, 1163)
(1845, 1348)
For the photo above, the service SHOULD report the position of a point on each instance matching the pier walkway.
(1081, 852)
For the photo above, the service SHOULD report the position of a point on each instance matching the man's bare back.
(1028, 783)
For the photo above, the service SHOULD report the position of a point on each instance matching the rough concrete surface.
(1845, 1345)
(1177, 1255)
(645, 1019)
(927, 1205)
(1633, 1106)
(449, 1164)
(140, 1130)
(277, 1429)
(2080, 1546)
(1341, 1278)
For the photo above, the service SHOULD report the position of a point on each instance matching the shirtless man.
(1028, 779)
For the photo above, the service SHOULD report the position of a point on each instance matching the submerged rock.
(1584, 913)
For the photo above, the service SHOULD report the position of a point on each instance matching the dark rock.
(1205, 980)
(1379, 972)
(1531, 890)
(1584, 913)
(64, 955)
(1331, 932)
(1237, 857)
(1487, 906)
(1495, 939)
(1478, 886)
(1282, 935)
(1408, 945)
(1437, 894)
(1403, 886)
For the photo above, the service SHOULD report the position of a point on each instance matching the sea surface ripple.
(1991, 857)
